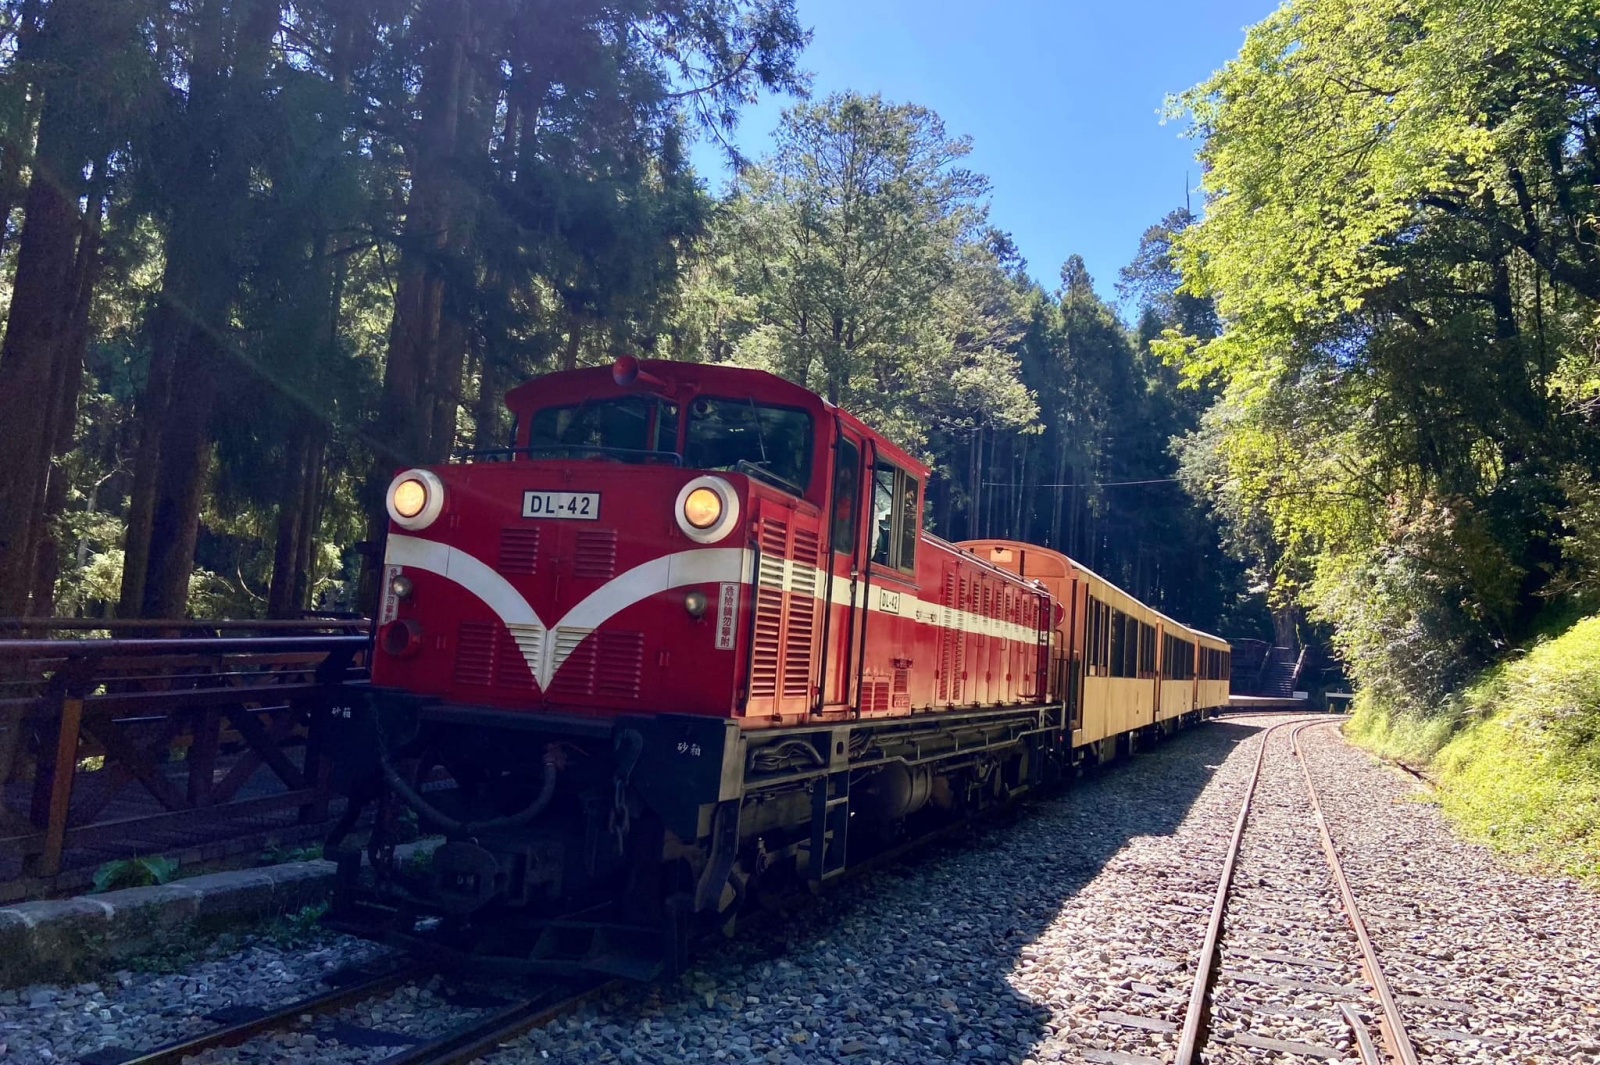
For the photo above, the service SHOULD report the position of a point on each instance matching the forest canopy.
(258, 255)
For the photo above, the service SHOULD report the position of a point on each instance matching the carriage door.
(846, 557)
(1073, 672)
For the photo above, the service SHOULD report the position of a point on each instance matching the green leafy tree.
(1400, 239)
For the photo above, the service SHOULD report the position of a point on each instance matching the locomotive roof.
(682, 381)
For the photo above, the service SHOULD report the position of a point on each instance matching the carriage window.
(846, 493)
(1116, 642)
(629, 424)
(894, 517)
(770, 443)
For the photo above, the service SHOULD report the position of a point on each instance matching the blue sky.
(1062, 101)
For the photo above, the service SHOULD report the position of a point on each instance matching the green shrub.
(134, 872)
(1516, 755)
(297, 930)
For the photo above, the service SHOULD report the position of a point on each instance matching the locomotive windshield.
(629, 427)
(773, 443)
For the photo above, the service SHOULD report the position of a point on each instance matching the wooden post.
(205, 732)
(69, 721)
(11, 725)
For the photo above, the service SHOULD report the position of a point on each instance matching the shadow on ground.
(910, 963)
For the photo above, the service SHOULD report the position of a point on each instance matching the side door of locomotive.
(845, 569)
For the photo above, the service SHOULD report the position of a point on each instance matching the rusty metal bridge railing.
(201, 739)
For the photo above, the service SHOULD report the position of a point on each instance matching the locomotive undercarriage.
(573, 845)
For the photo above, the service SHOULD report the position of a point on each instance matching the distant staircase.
(1278, 679)
(1260, 669)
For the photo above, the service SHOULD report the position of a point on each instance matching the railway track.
(490, 1022)
(1286, 965)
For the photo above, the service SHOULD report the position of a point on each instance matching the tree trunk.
(17, 144)
(281, 600)
(66, 386)
(447, 388)
(311, 506)
(150, 413)
(486, 418)
(1019, 490)
(182, 473)
(227, 69)
(42, 302)
(405, 414)
(569, 357)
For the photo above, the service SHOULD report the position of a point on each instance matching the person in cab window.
(844, 507)
(882, 515)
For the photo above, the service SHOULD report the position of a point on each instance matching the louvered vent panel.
(576, 675)
(807, 547)
(475, 652)
(800, 637)
(902, 681)
(877, 700)
(514, 647)
(594, 554)
(947, 637)
(619, 664)
(958, 680)
(767, 649)
(519, 550)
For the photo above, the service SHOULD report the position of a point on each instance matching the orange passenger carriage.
(1124, 670)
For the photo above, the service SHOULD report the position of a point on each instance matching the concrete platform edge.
(58, 940)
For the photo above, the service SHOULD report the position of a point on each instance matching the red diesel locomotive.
(685, 639)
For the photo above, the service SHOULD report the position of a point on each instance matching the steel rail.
(282, 1017)
(1358, 1028)
(1195, 1016)
(1392, 1025)
(474, 1040)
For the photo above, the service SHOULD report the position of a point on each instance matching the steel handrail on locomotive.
(688, 641)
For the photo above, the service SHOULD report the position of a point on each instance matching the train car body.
(566, 580)
(684, 640)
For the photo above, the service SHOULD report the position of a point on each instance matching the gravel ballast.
(1066, 935)
(1489, 963)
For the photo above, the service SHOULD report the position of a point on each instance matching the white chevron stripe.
(547, 649)
(466, 570)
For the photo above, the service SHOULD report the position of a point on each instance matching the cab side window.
(883, 514)
(846, 496)
(894, 517)
(907, 559)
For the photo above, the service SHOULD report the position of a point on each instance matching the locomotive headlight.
(401, 587)
(415, 499)
(695, 603)
(410, 496)
(707, 509)
(702, 508)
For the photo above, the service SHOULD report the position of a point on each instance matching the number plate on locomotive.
(582, 506)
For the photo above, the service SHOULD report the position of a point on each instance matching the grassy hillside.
(1516, 755)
